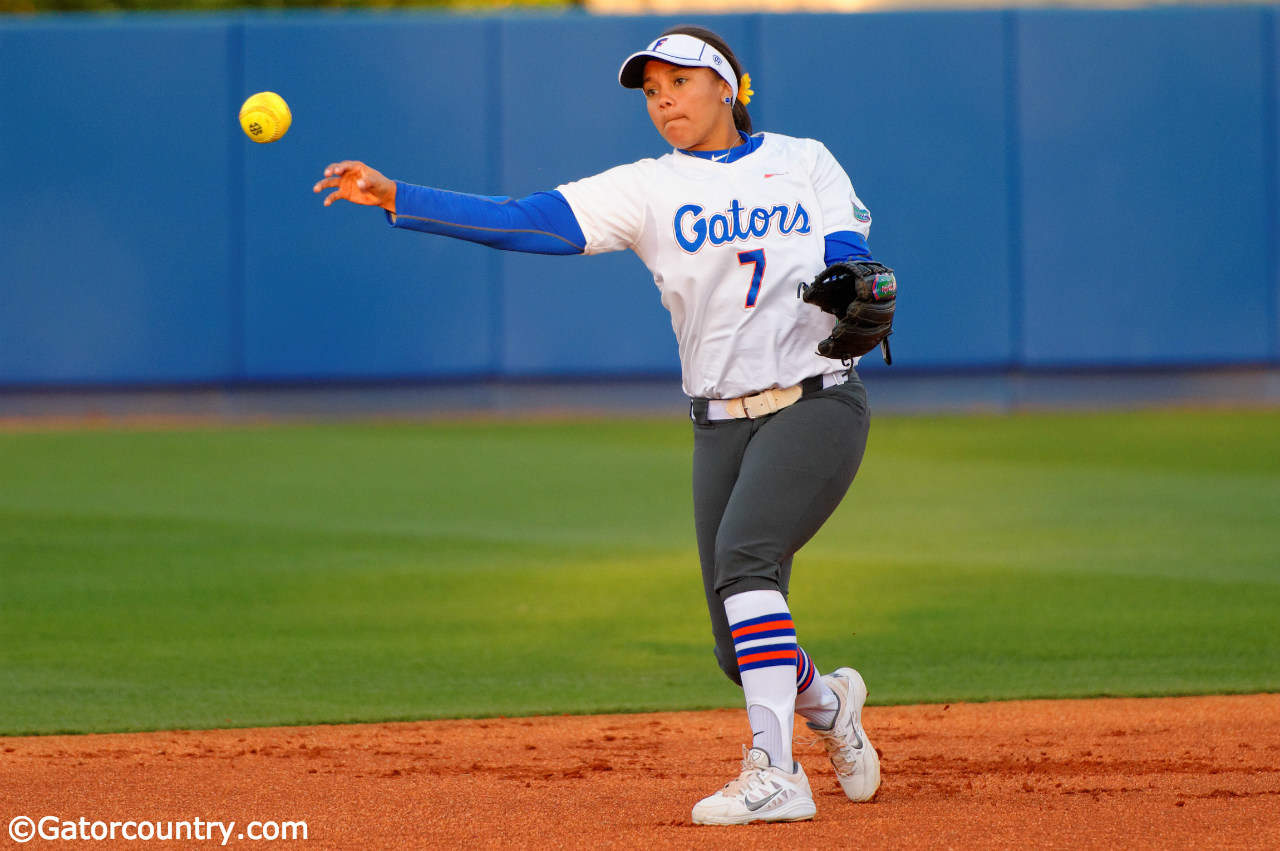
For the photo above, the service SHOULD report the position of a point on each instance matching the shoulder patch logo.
(861, 213)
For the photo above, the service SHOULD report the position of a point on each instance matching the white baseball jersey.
(728, 243)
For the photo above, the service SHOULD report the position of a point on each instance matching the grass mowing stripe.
(302, 574)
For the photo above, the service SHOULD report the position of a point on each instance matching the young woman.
(728, 223)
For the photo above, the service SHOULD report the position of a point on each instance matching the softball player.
(728, 222)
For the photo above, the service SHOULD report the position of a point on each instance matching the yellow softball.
(265, 117)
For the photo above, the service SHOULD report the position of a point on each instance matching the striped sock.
(764, 639)
(817, 703)
(805, 674)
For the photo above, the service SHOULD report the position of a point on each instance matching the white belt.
(768, 402)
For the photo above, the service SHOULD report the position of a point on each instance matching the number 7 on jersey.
(757, 276)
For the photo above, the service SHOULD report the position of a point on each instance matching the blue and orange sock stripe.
(804, 670)
(765, 641)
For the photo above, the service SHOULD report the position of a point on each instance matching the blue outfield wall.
(117, 223)
(1055, 188)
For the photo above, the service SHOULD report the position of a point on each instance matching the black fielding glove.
(861, 295)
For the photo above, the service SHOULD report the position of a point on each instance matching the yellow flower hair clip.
(744, 89)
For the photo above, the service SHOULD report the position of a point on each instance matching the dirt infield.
(1154, 773)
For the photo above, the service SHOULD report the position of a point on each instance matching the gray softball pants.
(762, 488)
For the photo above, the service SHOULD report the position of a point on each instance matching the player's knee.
(760, 576)
(728, 662)
(740, 568)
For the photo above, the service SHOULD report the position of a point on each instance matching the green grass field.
(296, 574)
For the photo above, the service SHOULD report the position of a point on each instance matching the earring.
(729, 101)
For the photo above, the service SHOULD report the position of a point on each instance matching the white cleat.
(760, 793)
(852, 755)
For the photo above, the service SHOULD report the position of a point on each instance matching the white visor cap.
(678, 50)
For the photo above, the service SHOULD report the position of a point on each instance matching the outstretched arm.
(542, 223)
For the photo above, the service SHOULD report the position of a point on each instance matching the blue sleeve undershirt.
(846, 245)
(542, 223)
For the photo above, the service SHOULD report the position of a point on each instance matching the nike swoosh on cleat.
(755, 805)
(775, 173)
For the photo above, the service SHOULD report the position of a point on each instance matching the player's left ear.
(726, 93)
